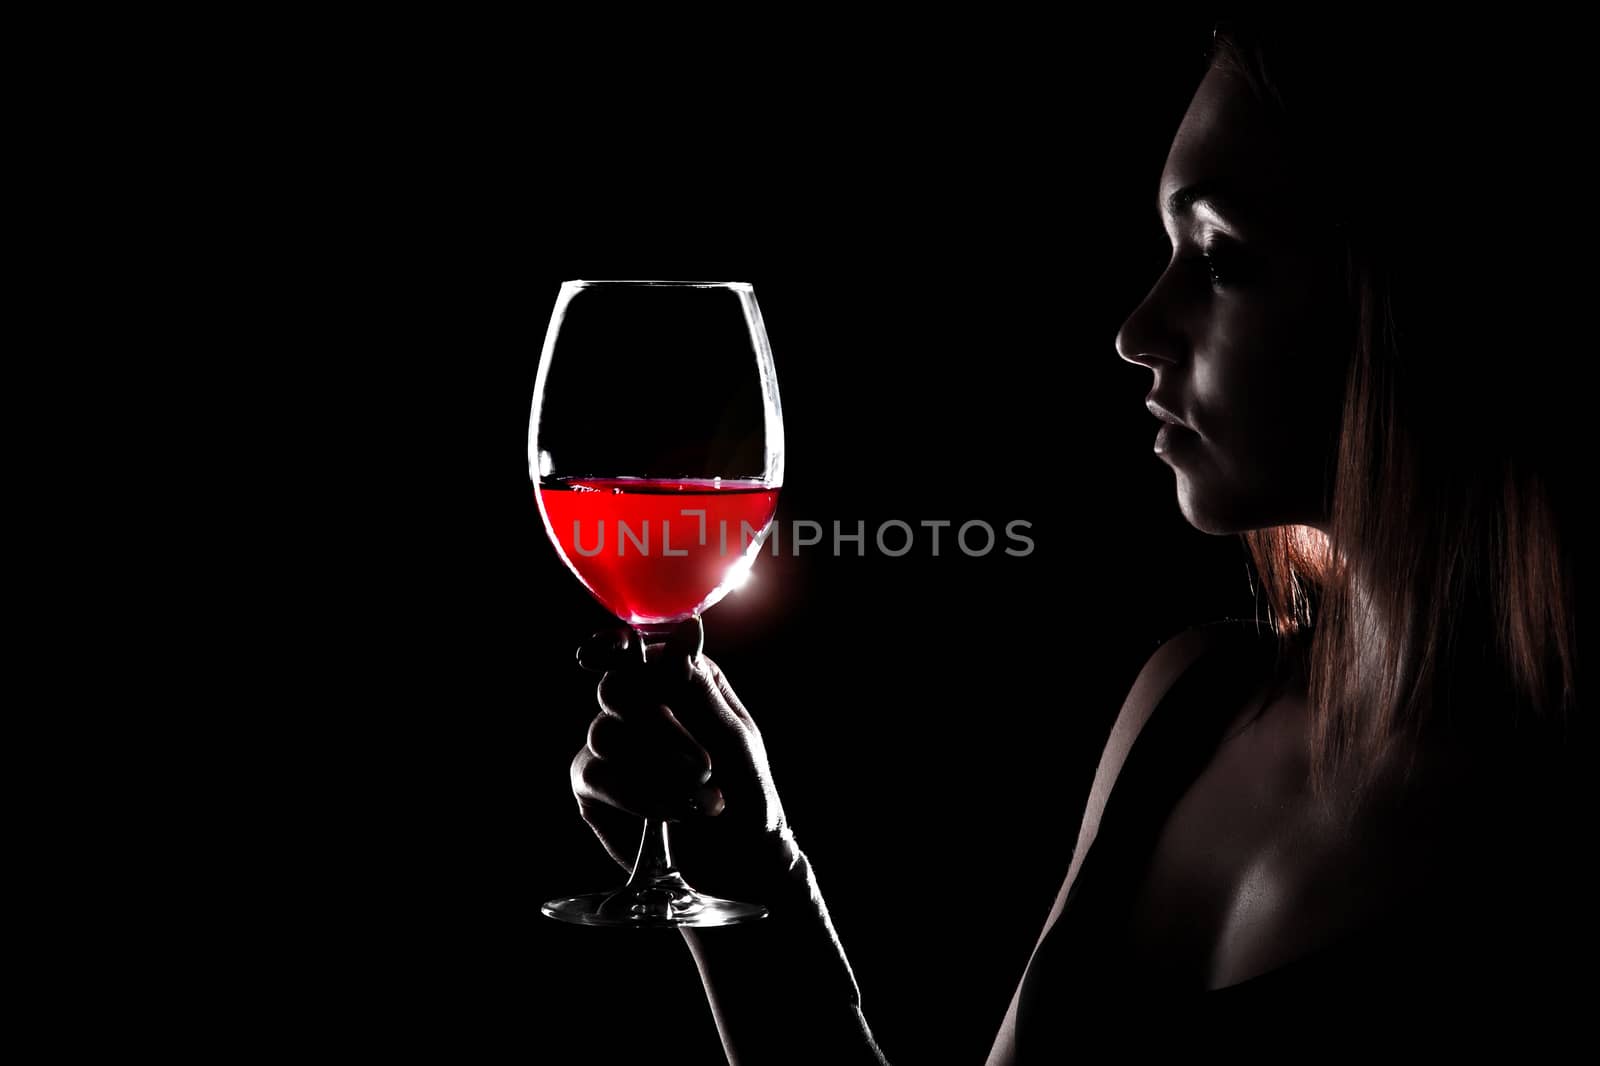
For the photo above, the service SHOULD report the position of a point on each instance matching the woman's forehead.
(1225, 157)
(1224, 126)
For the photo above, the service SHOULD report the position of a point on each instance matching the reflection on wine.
(633, 546)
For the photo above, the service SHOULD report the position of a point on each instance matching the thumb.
(693, 692)
(686, 643)
(611, 649)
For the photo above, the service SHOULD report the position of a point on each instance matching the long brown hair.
(1440, 603)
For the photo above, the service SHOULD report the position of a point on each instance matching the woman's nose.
(1145, 338)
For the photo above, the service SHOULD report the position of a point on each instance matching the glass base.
(664, 903)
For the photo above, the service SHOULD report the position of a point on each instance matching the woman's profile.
(1363, 799)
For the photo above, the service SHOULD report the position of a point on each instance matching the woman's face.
(1245, 328)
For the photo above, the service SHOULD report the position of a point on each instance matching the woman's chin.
(1206, 522)
(1209, 513)
(1222, 514)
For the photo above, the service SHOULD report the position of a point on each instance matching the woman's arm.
(781, 990)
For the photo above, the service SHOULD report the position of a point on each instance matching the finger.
(674, 639)
(679, 661)
(725, 689)
(611, 649)
(617, 830)
(676, 686)
(695, 733)
(627, 789)
(701, 701)
(639, 696)
(688, 640)
(697, 704)
(656, 745)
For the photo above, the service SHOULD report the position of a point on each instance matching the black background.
(944, 241)
(317, 724)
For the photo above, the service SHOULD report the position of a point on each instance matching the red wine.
(630, 544)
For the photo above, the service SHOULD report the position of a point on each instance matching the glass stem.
(654, 863)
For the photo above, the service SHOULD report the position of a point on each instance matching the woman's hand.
(672, 740)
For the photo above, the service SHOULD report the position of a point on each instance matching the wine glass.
(655, 448)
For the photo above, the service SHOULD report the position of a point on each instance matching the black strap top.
(1077, 956)
(1077, 972)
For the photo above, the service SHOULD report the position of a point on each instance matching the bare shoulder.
(1161, 670)
(1166, 664)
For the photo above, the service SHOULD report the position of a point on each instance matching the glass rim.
(740, 286)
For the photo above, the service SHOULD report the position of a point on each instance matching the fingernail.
(696, 768)
(606, 649)
(691, 667)
(707, 800)
(689, 639)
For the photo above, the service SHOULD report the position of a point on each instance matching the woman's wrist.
(798, 933)
(780, 875)
(737, 862)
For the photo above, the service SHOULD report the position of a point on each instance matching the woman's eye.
(1221, 266)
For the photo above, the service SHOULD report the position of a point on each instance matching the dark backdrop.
(943, 245)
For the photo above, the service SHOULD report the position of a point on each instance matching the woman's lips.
(1172, 438)
(1162, 412)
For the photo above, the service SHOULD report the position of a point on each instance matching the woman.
(1367, 798)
